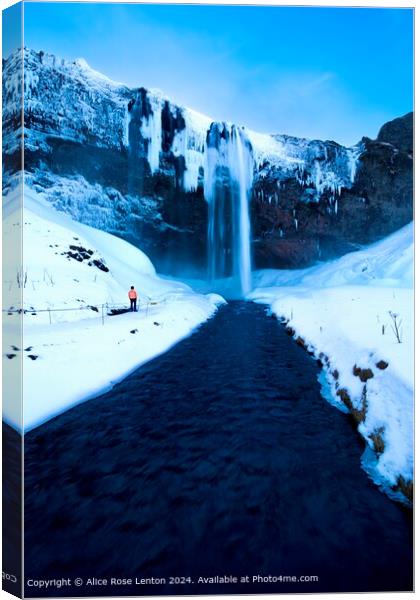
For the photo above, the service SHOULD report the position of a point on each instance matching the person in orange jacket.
(132, 294)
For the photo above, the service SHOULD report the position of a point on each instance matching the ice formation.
(228, 177)
(69, 100)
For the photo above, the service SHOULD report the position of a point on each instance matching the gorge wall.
(133, 163)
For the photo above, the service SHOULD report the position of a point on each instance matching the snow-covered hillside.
(70, 354)
(344, 312)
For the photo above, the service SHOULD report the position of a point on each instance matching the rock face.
(135, 164)
(398, 133)
(301, 225)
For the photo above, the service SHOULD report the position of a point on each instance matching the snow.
(79, 354)
(75, 102)
(103, 207)
(342, 311)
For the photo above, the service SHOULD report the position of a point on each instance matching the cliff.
(133, 163)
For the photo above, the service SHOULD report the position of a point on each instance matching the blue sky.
(329, 73)
(11, 29)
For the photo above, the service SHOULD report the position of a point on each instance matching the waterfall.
(242, 158)
(227, 183)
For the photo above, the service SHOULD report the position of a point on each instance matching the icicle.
(126, 139)
(152, 130)
(352, 161)
(145, 115)
(318, 177)
(190, 143)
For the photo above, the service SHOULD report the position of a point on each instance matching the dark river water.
(218, 458)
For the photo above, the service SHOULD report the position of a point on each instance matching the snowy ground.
(341, 311)
(73, 354)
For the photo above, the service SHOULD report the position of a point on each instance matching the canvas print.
(207, 299)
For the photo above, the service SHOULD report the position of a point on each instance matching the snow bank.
(342, 311)
(74, 353)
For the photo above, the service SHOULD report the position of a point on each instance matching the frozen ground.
(342, 311)
(78, 354)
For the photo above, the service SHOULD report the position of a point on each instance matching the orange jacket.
(132, 294)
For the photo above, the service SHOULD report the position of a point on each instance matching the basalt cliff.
(176, 183)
